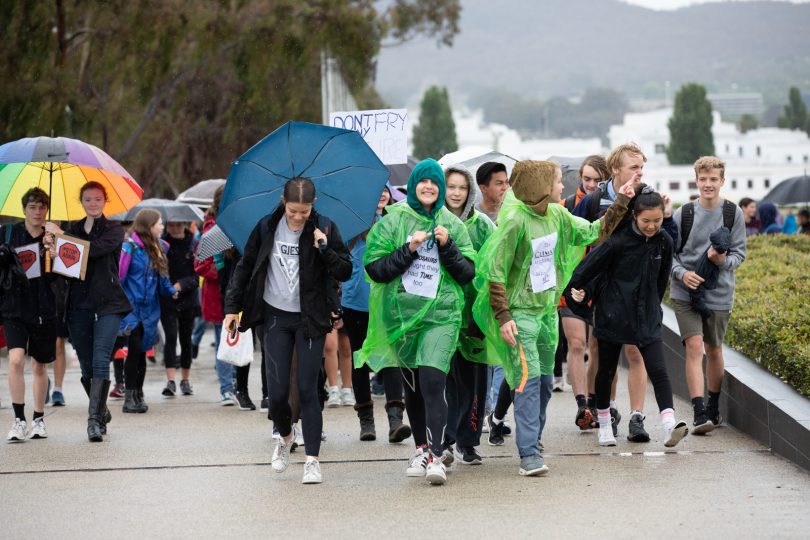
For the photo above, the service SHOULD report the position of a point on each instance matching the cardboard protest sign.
(71, 256)
(29, 260)
(385, 131)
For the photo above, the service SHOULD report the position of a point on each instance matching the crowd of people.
(461, 301)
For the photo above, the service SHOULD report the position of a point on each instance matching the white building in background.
(755, 161)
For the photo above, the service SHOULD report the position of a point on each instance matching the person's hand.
(441, 235)
(627, 189)
(509, 332)
(319, 236)
(716, 257)
(178, 287)
(338, 324)
(231, 322)
(417, 240)
(667, 205)
(692, 280)
(578, 295)
(52, 228)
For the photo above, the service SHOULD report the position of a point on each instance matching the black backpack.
(570, 202)
(688, 219)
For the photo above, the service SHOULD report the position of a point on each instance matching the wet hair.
(145, 219)
(299, 190)
(745, 201)
(616, 158)
(804, 213)
(599, 165)
(93, 185)
(646, 199)
(483, 175)
(214, 208)
(36, 195)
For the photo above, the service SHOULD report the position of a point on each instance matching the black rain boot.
(139, 398)
(86, 383)
(131, 404)
(398, 430)
(365, 412)
(95, 411)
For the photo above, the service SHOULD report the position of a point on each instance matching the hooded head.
(430, 169)
(472, 193)
(532, 182)
(767, 214)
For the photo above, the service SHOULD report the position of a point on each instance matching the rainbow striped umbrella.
(60, 166)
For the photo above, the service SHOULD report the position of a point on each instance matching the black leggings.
(654, 362)
(355, 324)
(426, 406)
(562, 351)
(466, 397)
(135, 364)
(177, 324)
(504, 400)
(283, 331)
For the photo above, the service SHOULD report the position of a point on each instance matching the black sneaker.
(265, 404)
(170, 389)
(185, 388)
(636, 431)
(585, 420)
(195, 351)
(244, 401)
(506, 429)
(467, 456)
(712, 413)
(615, 418)
(702, 424)
(495, 432)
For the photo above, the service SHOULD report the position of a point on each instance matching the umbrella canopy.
(347, 174)
(213, 241)
(60, 166)
(401, 171)
(201, 193)
(474, 156)
(794, 190)
(570, 173)
(170, 211)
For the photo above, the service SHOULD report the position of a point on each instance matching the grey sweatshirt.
(721, 298)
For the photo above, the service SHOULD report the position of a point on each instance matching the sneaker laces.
(311, 467)
(418, 458)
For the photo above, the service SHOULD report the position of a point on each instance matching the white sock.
(668, 419)
(496, 420)
(633, 413)
(613, 404)
(311, 458)
(604, 417)
(56, 389)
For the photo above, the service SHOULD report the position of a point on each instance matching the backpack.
(596, 202)
(570, 202)
(688, 219)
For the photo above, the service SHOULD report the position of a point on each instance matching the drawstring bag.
(235, 349)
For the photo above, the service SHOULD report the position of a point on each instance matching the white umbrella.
(201, 193)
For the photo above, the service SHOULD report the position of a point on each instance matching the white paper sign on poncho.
(543, 273)
(29, 260)
(422, 278)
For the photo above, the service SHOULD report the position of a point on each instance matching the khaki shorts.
(690, 323)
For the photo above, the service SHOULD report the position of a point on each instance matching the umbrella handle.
(47, 260)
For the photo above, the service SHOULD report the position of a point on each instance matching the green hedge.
(771, 319)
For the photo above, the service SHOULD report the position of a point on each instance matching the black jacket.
(101, 279)
(318, 271)
(635, 271)
(181, 270)
(396, 263)
(17, 302)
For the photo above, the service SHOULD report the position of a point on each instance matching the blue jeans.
(530, 413)
(199, 329)
(94, 339)
(494, 378)
(225, 371)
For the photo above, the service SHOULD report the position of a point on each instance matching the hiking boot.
(533, 466)
(244, 402)
(139, 397)
(585, 420)
(606, 436)
(117, 393)
(398, 431)
(365, 413)
(170, 390)
(312, 472)
(636, 431)
(185, 388)
(467, 456)
(131, 404)
(417, 465)
(18, 432)
(436, 472)
(495, 432)
(38, 430)
(674, 434)
(702, 424)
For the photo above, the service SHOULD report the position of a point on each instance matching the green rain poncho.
(403, 325)
(534, 257)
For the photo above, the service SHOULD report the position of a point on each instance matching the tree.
(435, 135)
(690, 127)
(795, 116)
(748, 122)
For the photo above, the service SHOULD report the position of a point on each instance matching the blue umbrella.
(347, 174)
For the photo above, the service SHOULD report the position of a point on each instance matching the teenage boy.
(696, 221)
(626, 165)
(493, 182)
(29, 315)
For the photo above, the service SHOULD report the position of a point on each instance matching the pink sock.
(604, 416)
(668, 417)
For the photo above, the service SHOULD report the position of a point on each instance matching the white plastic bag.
(237, 350)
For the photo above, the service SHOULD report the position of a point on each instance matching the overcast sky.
(675, 4)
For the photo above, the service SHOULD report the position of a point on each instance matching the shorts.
(690, 323)
(37, 340)
(61, 328)
(566, 312)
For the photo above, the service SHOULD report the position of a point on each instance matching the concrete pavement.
(190, 468)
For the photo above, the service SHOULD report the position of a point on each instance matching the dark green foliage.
(748, 122)
(795, 116)
(435, 135)
(690, 127)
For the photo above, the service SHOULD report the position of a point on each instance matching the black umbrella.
(170, 211)
(794, 190)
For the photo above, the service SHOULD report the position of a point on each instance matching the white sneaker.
(347, 397)
(606, 437)
(298, 439)
(19, 431)
(334, 398)
(228, 399)
(312, 472)
(673, 434)
(418, 463)
(436, 472)
(281, 455)
(38, 429)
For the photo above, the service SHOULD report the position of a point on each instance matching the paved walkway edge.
(753, 400)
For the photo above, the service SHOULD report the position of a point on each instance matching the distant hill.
(561, 47)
